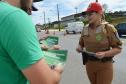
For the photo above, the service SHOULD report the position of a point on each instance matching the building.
(117, 14)
(73, 18)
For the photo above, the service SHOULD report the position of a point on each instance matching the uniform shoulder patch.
(111, 28)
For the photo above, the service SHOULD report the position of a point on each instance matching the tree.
(105, 7)
(107, 14)
(108, 17)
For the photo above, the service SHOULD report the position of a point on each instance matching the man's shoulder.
(109, 27)
(6, 9)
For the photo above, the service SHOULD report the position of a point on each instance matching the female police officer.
(102, 39)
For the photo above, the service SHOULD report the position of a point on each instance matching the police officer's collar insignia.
(98, 29)
(86, 30)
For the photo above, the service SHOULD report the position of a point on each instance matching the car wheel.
(120, 35)
(74, 32)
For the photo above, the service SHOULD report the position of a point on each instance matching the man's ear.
(25, 6)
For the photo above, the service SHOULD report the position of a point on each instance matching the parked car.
(74, 27)
(121, 28)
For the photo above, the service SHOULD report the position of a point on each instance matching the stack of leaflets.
(50, 41)
(89, 53)
(55, 57)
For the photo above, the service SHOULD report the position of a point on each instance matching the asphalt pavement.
(74, 71)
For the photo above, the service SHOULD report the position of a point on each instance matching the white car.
(74, 27)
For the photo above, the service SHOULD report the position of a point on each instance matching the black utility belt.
(105, 59)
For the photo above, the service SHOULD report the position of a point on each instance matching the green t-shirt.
(19, 46)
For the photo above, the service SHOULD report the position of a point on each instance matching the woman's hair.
(103, 16)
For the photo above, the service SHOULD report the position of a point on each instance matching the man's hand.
(44, 47)
(59, 68)
(40, 73)
(44, 37)
(55, 47)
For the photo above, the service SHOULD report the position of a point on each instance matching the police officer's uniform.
(105, 37)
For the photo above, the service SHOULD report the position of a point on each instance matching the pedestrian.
(21, 58)
(100, 41)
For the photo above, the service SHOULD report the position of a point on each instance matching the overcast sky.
(67, 7)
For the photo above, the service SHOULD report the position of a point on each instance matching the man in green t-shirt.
(21, 58)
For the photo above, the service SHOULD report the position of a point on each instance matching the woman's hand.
(100, 55)
(79, 50)
(109, 53)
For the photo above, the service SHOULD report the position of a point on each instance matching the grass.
(118, 20)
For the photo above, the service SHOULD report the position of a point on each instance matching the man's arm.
(21, 44)
(40, 73)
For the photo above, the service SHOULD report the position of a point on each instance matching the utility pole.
(49, 23)
(44, 20)
(58, 16)
(76, 9)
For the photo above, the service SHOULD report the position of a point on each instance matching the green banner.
(55, 57)
(50, 41)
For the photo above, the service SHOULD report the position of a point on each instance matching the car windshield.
(122, 26)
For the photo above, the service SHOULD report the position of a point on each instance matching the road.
(74, 71)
